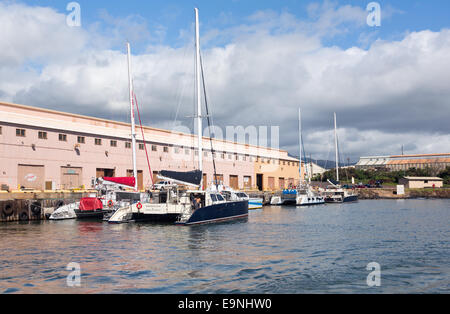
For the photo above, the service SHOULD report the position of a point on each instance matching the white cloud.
(391, 94)
(36, 34)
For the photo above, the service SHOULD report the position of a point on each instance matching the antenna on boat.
(133, 124)
(199, 100)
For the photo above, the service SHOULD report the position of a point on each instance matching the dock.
(35, 205)
(39, 205)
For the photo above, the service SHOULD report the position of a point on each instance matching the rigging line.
(209, 124)
(330, 136)
(341, 161)
(143, 137)
(304, 155)
(180, 95)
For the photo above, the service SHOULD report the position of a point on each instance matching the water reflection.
(277, 249)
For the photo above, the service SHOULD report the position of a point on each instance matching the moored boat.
(335, 193)
(186, 207)
(210, 206)
(298, 197)
(91, 208)
(304, 195)
(65, 212)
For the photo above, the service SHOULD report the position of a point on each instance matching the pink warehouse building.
(48, 150)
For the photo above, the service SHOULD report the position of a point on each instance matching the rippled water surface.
(323, 249)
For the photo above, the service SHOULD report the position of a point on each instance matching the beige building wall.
(277, 174)
(421, 184)
(105, 146)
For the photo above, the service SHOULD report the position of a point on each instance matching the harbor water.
(323, 249)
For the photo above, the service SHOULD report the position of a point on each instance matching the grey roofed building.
(374, 162)
(437, 162)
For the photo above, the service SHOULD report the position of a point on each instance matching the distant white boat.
(335, 193)
(303, 195)
(233, 195)
(298, 197)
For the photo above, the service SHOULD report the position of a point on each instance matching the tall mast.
(311, 169)
(199, 99)
(133, 125)
(336, 146)
(300, 141)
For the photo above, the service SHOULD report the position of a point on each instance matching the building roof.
(419, 161)
(404, 159)
(424, 179)
(422, 155)
(373, 161)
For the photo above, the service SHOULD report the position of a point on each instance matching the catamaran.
(185, 202)
(335, 193)
(303, 195)
(111, 192)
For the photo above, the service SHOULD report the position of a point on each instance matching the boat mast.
(133, 124)
(311, 169)
(199, 100)
(300, 142)
(336, 146)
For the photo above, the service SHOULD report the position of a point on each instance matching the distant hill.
(327, 164)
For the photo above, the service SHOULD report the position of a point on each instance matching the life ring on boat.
(110, 203)
(139, 205)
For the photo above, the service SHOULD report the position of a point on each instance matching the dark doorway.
(259, 182)
(205, 181)
(110, 173)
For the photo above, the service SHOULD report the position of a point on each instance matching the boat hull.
(91, 214)
(346, 199)
(352, 198)
(218, 213)
(256, 203)
(311, 203)
(156, 218)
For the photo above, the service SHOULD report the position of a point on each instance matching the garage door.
(282, 183)
(31, 177)
(271, 183)
(234, 182)
(71, 178)
(248, 182)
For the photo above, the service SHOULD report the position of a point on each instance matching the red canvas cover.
(90, 204)
(131, 181)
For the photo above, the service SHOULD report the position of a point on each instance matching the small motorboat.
(65, 212)
(91, 208)
(299, 197)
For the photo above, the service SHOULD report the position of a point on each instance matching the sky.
(263, 59)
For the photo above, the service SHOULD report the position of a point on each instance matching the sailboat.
(185, 203)
(303, 195)
(111, 192)
(335, 193)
